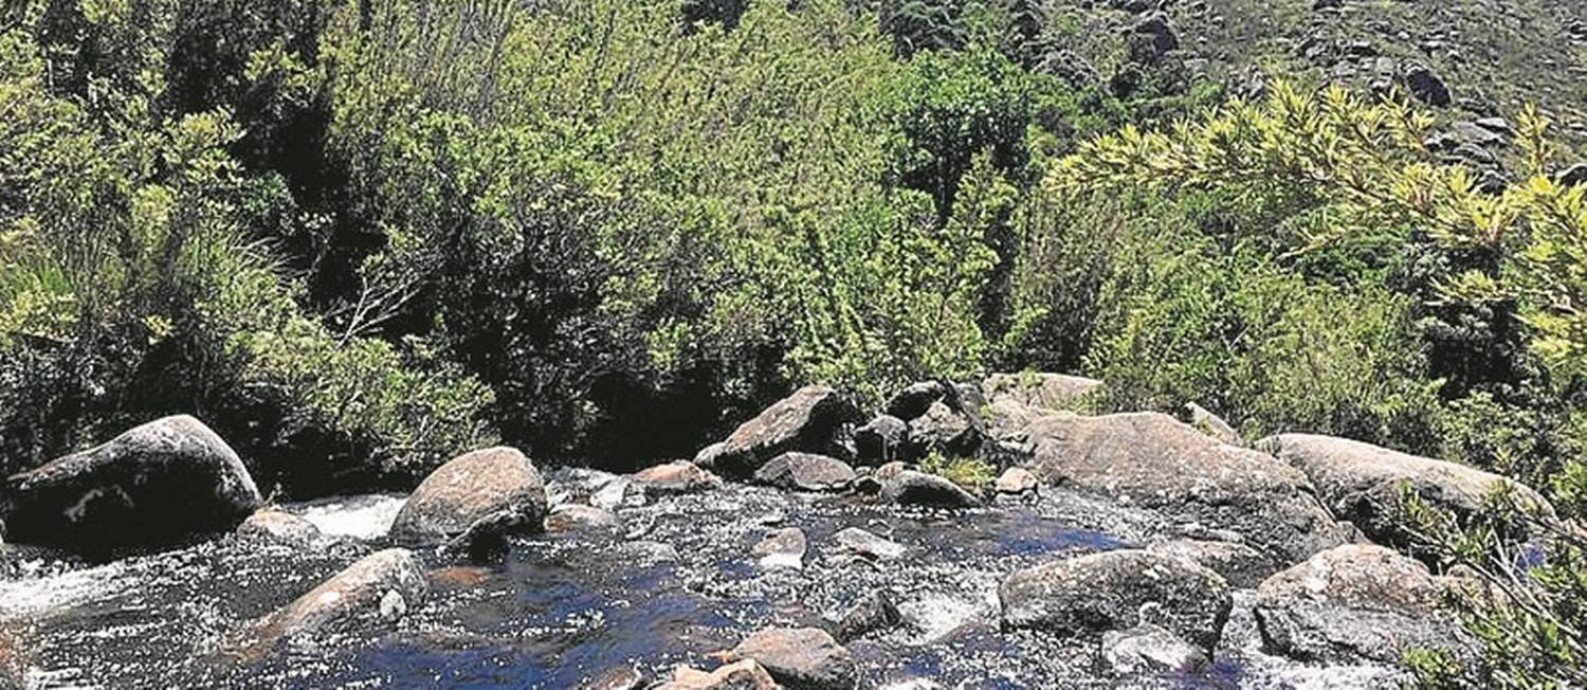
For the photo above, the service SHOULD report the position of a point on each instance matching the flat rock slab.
(468, 489)
(1154, 461)
(1361, 483)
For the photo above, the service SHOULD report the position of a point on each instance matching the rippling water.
(676, 584)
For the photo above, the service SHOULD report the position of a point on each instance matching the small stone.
(681, 477)
(1015, 481)
(393, 606)
(801, 658)
(1149, 649)
(859, 542)
(572, 517)
(872, 612)
(622, 678)
(920, 489)
(742, 675)
(784, 548)
(278, 527)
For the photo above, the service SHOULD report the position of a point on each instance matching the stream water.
(673, 585)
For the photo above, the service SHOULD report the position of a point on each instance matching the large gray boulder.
(379, 588)
(1352, 603)
(1154, 461)
(485, 483)
(801, 658)
(1362, 483)
(815, 419)
(160, 483)
(1119, 590)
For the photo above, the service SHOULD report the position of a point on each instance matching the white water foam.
(359, 517)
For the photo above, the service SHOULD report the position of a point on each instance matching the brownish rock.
(468, 489)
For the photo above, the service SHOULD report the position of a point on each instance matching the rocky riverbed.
(1118, 551)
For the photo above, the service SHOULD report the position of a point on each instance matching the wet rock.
(911, 488)
(1361, 483)
(1156, 462)
(494, 481)
(278, 527)
(784, 548)
(572, 517)
(1016, 481)
(1354, 602)
(945, 429)
(625, 678)
(881, 440)
(1118, 590)
(874, 611)
(801, 658)
(859, 542)
(1054, 392)
(913, 401)
(815, 419)
(1212, 425)
(805, 472)
(1475, 134)
(1241, 565)
(158, 484)
(1149, 649)
(681, 477)
(489, 538)
(358, 597)
(743, 675)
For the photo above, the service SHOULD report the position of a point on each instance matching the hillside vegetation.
(358, 238)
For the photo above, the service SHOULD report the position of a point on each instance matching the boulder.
(1149, 649)
(1361, 483)
(911, 488)
(499, 481)
(159, 484)
(1241, 565)
(489, 538)
(681, 477)
(805, 472)
(1352, 603)
(783, 548)
(1156, 462)
(573, 517)
(1212, 425)
(801, 658)
(1118, 590)
(1016, 481)
(272, 526)
(874, 611)
(945, 429)
(815, 419)
(881, 440)
(377, 588)
(1054, 392)
(858, 542)
(914, 400)
(743, 675)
